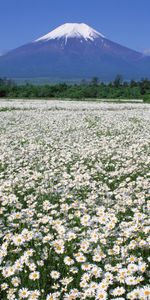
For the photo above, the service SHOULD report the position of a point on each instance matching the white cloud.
(3, 51)
(147, 52)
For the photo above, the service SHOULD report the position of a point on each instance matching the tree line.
(92, 89)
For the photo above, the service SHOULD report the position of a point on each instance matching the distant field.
(98, 100)
(74, 200)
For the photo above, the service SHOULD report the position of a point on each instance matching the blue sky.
(124, 21)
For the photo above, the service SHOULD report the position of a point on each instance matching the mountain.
(74, 51)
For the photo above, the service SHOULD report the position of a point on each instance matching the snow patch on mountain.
(72, 30)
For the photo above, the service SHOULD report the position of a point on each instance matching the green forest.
(92, 89)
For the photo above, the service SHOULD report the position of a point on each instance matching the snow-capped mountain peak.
(72, 30)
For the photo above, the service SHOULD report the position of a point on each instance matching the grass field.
(74, 200)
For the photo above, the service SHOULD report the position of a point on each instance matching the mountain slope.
(73, 51)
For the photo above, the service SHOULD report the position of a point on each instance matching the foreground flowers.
(74, 201)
